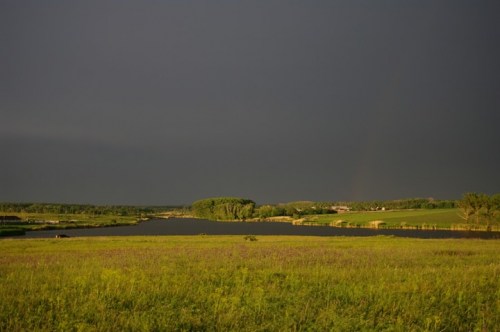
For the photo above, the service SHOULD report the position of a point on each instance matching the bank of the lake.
(20, 223)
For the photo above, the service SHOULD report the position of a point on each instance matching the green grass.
(277, 283)
(440, 218)
(64, 221)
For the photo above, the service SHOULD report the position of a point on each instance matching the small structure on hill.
(341, 208)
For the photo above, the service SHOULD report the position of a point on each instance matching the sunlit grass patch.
(230, 283)
(427, 218)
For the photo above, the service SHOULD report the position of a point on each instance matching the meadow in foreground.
(277, 283)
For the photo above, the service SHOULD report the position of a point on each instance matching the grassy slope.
(444, 218)
(67, 220)
(226, 283)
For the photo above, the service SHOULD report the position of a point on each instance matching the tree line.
(400, 204)
(231, 208)
(294, 209)
(87, 209)
(480, 209)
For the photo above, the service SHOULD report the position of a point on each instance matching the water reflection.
(196, 226)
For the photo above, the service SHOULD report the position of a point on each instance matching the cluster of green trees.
(480, 209)
(224, 208)
(232, 208)
(294, 209)
(120, 210)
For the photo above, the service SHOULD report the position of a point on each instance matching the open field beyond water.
(227, 283)
(423, 218)
(45, 221)
(69, 220)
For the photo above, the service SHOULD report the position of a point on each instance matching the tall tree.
(468, 206)
(480, 209)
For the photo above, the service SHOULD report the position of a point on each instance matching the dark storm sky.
(166, 102)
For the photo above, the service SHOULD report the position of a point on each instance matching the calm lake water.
(196, 227)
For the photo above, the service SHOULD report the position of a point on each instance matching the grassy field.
(38, 221)
(68, 217)
(439, 218)
(277, 283)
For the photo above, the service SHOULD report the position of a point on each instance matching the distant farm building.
(341, 208)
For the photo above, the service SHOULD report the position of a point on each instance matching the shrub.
(251, 238)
